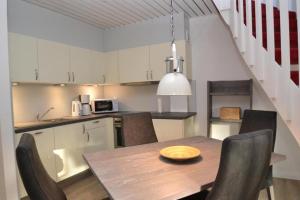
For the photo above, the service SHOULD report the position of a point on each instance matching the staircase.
(294, 54)
(267, 38)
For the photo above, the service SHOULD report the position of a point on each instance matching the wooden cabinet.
(45, 145)
(23, 58)
(134, 64)
(169, 129)
(97, 68)
(81, 65)
(54, 62)
(111, 66)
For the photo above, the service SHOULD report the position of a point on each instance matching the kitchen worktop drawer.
(94, 124)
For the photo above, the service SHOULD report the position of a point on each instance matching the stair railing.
(274, 78)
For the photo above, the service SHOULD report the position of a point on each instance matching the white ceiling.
(114, 13)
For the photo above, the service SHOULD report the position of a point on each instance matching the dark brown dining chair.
(254, 120)
(137, 129)
(38, 184)
(243, 167)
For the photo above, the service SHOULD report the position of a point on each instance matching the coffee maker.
(85, 105)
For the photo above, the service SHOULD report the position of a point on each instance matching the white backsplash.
(29, 99)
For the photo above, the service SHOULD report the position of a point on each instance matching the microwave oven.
(104, 105)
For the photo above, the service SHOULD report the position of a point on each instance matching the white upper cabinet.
(111, 67)
(158, 54)
(35, 60)
(23, 58)
(54, 62)
(134, 64)
(97, 68)
(81, 65)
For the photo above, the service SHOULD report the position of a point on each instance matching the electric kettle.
(76, 108)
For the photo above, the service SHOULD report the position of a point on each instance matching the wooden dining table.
(140, 173)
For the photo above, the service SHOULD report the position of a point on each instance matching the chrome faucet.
(39, 116)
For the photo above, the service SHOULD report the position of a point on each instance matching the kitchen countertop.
(36, 125)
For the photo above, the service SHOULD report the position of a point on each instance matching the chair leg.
(270, 192)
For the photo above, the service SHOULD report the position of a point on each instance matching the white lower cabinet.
(69, 147)
(44, 140)
(61, 148)
(99, 137)
(170, 129)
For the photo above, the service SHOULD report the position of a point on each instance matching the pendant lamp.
(174, 82)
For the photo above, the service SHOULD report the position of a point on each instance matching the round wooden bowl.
(180, 153)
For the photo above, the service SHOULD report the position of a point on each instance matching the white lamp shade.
(174, 84)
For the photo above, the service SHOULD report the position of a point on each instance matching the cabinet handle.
(88, 136)
(69, 77)
(103, 78)
(83, 128)
(147, 75)
(38, 133)
(36, 74)
(151, 75)
(96, 122)
(73, 74)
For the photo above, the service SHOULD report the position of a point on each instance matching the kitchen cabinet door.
(98, 72)
(96, 140)
(158, 54)
(53, 62)
(99, 135)
(134, 64)
(69, 146)
(44, 140)
(168, 129)
(111, 66)
(23, 58)
(81, 65)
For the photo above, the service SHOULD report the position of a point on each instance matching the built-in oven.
(104, 105)
(118, 135)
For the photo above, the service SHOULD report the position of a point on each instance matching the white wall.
(8, 180)
(215, 57)
(144, 33)
(28, 19)
(29, 99)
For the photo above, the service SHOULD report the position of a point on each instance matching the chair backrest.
(137, 129)
(255, 120)
(244, 165)
(38, 184)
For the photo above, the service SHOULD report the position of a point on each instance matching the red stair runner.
(294, 58)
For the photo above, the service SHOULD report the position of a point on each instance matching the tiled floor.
(90, 189)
